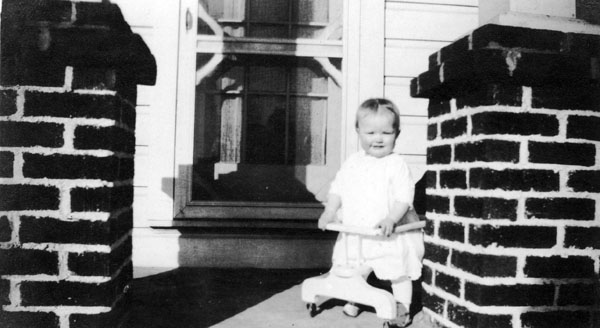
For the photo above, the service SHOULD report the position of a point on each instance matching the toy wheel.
(313, 309)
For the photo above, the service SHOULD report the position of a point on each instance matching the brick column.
(67, 139)
(513, 184)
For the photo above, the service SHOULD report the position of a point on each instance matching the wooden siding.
(156, 22)
(413, 31)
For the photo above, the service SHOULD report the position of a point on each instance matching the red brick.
(582, 97)
(484, 265)
(487, 151)
(491, 94)
(72, 105)
(102, 14)
(562, 153)
(438, 107)
(48, 293)
(436, 253)
(432, 130)
(6, 164)
(522, 124)
(28, 197)
(583, 127)
(454, 128)
(433, 302)
(26, 134)
(511, 179)
(555, 319)
(48, 230)
(448, 283)
(509, 295)
(587, 181)
(427, 275)
(582, 294)
(582, 237)
(94, 78)
(559, 267)
(99, 264)
(514, 36)
(431, 179)
(16, 261)
(453, 179)
(29, 319)
(439, 155)
(581, 209)
(485, 207)
(467, 318)
(4, 292)
(513, 236)
(110, 138)
(429, 228)
(5, 229)
(8, 102)
(77, 167)
(104, 199)
(452, 231)
(113, 318)
(438, 204)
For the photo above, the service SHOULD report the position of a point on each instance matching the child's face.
(377, 134)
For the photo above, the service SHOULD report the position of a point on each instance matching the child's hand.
(387, 226)
(326, 217)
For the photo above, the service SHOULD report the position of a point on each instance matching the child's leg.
(402, 290)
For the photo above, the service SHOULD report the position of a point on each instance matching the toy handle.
(372, 231)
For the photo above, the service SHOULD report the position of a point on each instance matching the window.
(266, 108)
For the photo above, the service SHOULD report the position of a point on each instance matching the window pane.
(308, 80)
(269, 10)
(267, 78)
(272, 18)
(310, 11)
(266, 130)
(308, 121)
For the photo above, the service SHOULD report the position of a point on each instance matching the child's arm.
(334, 202)
(396, 213)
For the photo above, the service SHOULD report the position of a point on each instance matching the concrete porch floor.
(227, 298)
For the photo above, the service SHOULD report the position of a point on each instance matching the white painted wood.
(489, 9)
(363, 62)
(408, 58)
(398, 91)
(298, 47)
(186, 84)
(416, 21)
(153, 194)
(543, 22)
(471, 3)
(413, 135)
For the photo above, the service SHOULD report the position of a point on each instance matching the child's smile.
(376, 134)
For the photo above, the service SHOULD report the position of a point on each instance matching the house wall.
(407, 37)
(413, 31)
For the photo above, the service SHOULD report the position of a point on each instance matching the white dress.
(368, 187)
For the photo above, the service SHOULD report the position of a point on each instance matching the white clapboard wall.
(413, 31)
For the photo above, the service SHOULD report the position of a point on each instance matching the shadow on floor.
(202, 297)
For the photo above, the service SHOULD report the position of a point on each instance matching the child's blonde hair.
(373, 105)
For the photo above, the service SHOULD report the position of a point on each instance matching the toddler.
(374, 189)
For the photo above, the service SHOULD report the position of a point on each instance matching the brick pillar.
(67, 137)
(513, 181)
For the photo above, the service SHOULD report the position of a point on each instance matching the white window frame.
(363, 76)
